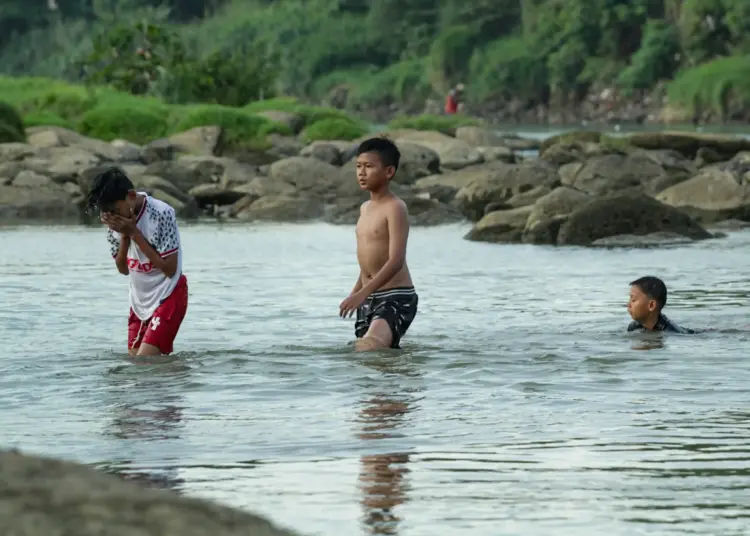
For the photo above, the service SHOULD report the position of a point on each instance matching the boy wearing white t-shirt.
(145, 243)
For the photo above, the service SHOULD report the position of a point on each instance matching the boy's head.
(112, 191)
(648, 295)
(377, 163)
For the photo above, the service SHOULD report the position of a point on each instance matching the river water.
(518, 405)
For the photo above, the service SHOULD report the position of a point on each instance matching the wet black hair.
(109, 186)
(654, 288)
(385, 148)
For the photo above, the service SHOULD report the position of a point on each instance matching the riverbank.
(583, 188)
(281, 160)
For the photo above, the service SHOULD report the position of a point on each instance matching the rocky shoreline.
(581, 189)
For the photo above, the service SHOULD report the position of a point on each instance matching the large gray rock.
(610, 173)
(496, 188)
(689, 143)
(188, 172)
(550, 211)
(501, 226)
(48, 137)
(715, 194)
(282, 208)
(327, 151)
(453, 153)
(47, 497)
(200, 141)
(626, 214)
(13, 152)
(44, 203)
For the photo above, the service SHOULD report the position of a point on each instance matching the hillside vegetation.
(379, 53)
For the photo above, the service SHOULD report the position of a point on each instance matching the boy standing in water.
(145, 242)
(383, 296)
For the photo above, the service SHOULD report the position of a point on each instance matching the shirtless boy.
(383, 296)
(145, 242)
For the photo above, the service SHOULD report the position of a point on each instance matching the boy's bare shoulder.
(397, 205)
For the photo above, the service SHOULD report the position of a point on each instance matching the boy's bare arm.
(168, 265)
(357, 285)
(121, 260)
(398, 234)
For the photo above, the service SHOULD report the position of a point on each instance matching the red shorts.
(161, 329)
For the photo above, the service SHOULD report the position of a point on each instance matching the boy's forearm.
(156, 260)
(358, 284)
(121, 260)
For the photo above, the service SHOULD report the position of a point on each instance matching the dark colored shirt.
(663, 324)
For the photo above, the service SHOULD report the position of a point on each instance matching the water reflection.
(387, 408)
(649, 343)
(146, 405)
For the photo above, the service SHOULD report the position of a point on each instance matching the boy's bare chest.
(372, 227)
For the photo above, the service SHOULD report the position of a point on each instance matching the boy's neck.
(652, 320)
(139, 200)
(381, 194)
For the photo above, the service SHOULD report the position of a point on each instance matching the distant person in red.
(453, 99)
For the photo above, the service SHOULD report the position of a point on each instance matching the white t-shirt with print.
(148, 286)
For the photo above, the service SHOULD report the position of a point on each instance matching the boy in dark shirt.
(648, 296)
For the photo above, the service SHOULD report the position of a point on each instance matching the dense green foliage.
(108, 114)
(11, 125)
(367, 54)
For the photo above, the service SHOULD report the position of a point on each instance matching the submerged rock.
(43, 497)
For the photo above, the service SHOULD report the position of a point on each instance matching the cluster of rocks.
(42, 496)
(48, 176)
(580, 189)
(585, 189)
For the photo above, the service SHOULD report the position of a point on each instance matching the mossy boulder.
(334, 129)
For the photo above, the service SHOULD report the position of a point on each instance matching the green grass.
(241, 128)
(439, 123)
(309, 114)
(719, 86)
(46, 119)
(333, 129)
(8, 134)
(11, 125)
(109, 122)
(103, 113)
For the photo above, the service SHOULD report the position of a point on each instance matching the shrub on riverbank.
(139, 125)
(438, 123)
(513, 56)
(309, 114)
(721, 86)
(241, 128)
(46, 119)
(333, 129)
(8, 134)
(11, 124)
(106, 114)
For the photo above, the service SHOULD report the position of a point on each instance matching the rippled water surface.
(518, 405)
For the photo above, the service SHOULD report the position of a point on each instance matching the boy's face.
(371, 173)
(124, 207)
(640, 305)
